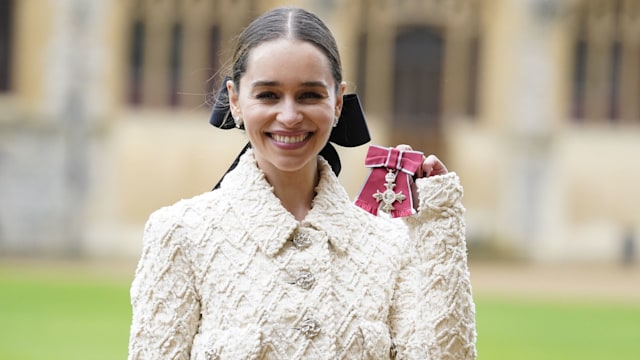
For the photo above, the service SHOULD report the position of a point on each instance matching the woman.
(277, 262)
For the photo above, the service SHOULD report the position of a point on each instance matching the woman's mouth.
(290, 139)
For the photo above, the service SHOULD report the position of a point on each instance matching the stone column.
(78, 64)
(522, 83)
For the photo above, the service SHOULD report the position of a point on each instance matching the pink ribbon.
(381, 190)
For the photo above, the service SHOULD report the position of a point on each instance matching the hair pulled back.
(286, 23)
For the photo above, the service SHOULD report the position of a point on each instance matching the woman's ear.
(339, 98)
(234, 105)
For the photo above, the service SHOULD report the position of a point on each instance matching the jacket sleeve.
(166, 308)
(433, 314)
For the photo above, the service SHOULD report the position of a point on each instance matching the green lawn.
(84, 317)
(545, 330)
(68, 318)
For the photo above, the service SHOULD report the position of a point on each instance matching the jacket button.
(309, 328)
(305, 280)
(301, 240)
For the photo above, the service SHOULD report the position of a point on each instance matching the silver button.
(305, 280)
(309, 328)
(211, 355)
(301, 240)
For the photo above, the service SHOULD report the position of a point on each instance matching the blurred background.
(534, 103)
(104, 108)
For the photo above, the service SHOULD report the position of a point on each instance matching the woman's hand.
(431, 166)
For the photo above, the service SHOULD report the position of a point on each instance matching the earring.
(335, 121)
(238, 121)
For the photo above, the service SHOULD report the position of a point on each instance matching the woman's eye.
(267, 95)
(311, 95)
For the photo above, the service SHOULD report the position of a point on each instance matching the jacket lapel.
(268, 223)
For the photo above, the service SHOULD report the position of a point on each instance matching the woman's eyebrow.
(259, 83)
(314, 84)
(267, 83)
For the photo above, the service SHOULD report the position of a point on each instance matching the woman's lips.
(290, 139)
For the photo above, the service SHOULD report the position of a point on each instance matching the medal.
(388, 183)
(388, 197)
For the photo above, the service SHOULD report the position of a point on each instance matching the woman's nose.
(289, 114)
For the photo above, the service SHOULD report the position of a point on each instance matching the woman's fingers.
(404, 147)
(431, 165)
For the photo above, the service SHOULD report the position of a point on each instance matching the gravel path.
(597, 282)
(557, 282)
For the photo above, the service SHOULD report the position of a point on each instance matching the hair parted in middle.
(286, 23)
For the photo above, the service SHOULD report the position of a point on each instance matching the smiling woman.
(277, 262)
(287, 100)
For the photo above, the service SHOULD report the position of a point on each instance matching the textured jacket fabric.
(231, 274)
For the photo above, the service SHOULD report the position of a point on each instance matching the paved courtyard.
(557, 282)
(597, 282)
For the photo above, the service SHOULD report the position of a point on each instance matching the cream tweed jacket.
(231, 274)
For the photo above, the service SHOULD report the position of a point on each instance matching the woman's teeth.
(289, 139)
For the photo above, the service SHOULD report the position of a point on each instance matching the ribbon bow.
(351, 130)
(388, 185)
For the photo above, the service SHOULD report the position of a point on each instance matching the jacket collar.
(268, 223)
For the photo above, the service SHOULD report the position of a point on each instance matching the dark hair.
(288, 23)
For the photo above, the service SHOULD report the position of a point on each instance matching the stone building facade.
(535, 103)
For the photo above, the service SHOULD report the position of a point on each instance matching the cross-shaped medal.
(388, 197)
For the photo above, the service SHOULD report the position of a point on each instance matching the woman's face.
(287, 101)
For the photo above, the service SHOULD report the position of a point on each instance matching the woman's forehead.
(281, 59)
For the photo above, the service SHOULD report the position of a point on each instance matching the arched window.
(419, 53)
(417, 88)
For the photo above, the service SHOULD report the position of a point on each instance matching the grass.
(74, 316)
(524, 330)
(49, 317)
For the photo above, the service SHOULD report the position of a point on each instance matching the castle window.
(417, 94)
(6, 34)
